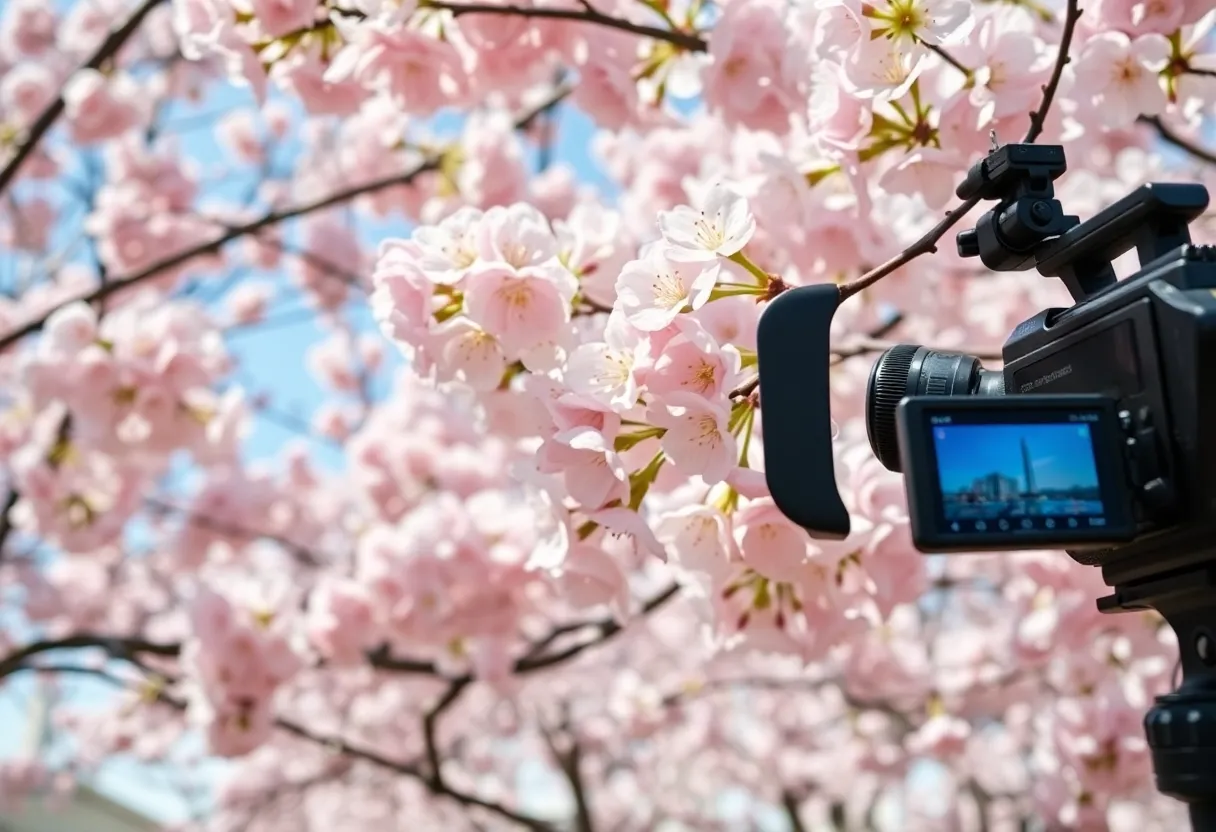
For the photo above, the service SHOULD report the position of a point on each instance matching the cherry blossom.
(381, 432)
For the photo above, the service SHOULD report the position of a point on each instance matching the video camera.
(1097, 436)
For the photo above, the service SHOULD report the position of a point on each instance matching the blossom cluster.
(542, 520)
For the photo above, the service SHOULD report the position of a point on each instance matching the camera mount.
(1020, 176)
(1028, 227)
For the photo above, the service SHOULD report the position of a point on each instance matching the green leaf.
(814, 177)
(627, 441)
(640, 481)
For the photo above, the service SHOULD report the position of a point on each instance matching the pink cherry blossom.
(751, 79)
(380, 420)
(721, 227)
(655, 289)
(606, 371)
(1121, 78)
(419, 72)
(100, 108)
(697, 437)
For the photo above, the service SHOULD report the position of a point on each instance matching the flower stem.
(743, 260)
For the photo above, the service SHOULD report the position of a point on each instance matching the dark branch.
(1169, 136)
(791, 804)
(948, 58)
(118, 648)
(1039, 117)
(536, 658)
(925, 245)
(685, 40)
(414, 772)
(572, 765)
(128, 648)
(46, 120)
(567, 755)
(606, 630)
(6, 525)
(866, 345)
(430, 725)
(928, 243)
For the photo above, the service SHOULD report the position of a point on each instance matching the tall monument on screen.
(1027, 467)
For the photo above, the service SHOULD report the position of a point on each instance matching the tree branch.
(118, 648)
(273, 218)
(301, 553)
(46, 120)
(430, 724)
(1170, 136)
(126, 648)
(606, 629)
(569, 761)
(367, 755)
(791, 804)
(6, 525)
(1039, 117)
(536, 658)
(928, 243)
(588, 14)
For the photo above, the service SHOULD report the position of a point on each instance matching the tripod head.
(1020, 176)
(1028, 226)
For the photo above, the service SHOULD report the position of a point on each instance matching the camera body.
(1125, 363)
(1097, 436)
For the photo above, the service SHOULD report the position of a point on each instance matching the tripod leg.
(1203, 816)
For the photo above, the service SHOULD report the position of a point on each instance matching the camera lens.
(913, 370)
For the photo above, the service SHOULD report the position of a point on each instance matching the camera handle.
(1181, 726)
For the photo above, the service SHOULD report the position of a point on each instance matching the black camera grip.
(794, 350)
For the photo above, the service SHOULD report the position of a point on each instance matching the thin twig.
(1169, 136)
(685, 40)
(865, 345)
(6, 525)
(948, 58)
(791, 804)
(928, 243)
(119, 648)
(430, 725)
(46, 120)
(301, 553)
(1039, 117)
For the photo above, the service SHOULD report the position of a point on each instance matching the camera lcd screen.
(1026, 472)
(1018, 477)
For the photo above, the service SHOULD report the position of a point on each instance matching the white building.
(83, 811)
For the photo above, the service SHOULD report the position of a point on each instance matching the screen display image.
(1018, 477)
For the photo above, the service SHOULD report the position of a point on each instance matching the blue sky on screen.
(1061, 455)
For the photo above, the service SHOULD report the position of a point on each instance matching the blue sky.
(1061, 454)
